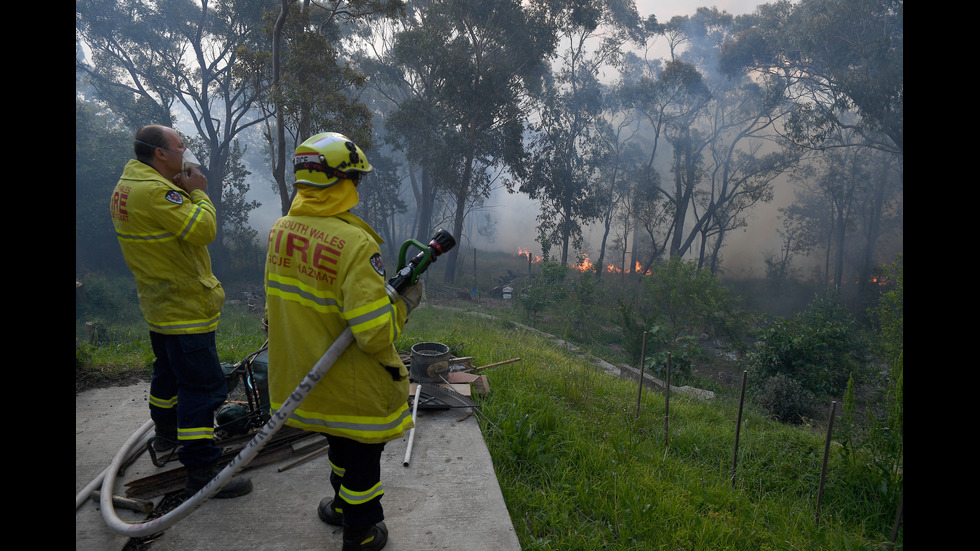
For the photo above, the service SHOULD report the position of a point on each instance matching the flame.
(585, 265)
(521, 251)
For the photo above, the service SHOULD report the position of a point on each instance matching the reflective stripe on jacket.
(164, 232)
(324, 273)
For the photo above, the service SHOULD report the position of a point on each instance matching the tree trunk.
(453, 255)
(462, 194)
(424, 192)
(279, 165)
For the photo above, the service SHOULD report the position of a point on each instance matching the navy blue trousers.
(187, 387)
(356, 479)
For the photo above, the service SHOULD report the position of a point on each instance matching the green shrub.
(888, 315)
(785, 399)
(679, 352)
(819, 347)
(679, 303)
(111, 299)
(546, 289)
(632, 329)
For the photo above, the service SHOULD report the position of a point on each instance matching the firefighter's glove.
(412, 296)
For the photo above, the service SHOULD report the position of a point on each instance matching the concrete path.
(447, 498)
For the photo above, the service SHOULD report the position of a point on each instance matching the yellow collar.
(336, 200)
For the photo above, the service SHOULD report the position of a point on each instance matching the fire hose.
(406, 276)
(411, 433)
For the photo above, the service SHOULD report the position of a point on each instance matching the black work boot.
(164, 443)
(371, 538)
(164, 438)
(330, 513)
(198, 478)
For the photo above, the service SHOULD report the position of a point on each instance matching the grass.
(112, 342)
(579, 469)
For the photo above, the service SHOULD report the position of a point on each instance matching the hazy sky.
(665, 9)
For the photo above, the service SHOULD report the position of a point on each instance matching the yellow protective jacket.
(164, 233)
(324, 273)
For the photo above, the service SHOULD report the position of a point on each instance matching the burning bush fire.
(584, 264)
(530, 257)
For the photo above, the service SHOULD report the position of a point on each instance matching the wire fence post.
(643, 361)
(826, 453)
(667, 403)
(898, 521)
(738, 424)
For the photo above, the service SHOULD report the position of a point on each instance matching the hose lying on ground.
(108, 476)
(141, 436)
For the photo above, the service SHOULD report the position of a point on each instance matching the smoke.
(515, 215)
(744, 254)
(745, 250)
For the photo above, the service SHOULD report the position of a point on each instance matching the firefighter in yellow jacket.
(164, 221)
(324, 273)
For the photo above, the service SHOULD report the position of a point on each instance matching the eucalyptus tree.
(722, 130)
(469, 66)
(569, 154)
(841, 64)
(380, 201)
(667, 96)
(741, 127)
(848, 194)
(565, 166)
(102, 148)
(835, 57)
(406, 74)
(152, 62)
(618, 177)
(669, 100)
(304, 80)
(496, 55)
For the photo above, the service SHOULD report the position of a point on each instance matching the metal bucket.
(427, 358)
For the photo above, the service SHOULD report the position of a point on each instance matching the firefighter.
(324, 273)
(164, 221)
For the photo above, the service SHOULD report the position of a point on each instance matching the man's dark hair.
(149, 134)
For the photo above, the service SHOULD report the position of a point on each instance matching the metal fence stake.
(667, 402)
(826, 453)
(738, 424)
(643, 361)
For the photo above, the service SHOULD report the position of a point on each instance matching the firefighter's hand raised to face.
(190, 180)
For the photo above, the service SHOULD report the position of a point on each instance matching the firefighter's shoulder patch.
(174, 197)
(377, 264)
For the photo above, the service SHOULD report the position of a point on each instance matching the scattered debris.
(138, 505)
(279, 447)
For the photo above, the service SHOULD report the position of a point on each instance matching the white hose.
(83, 496)
(244, 457)
(411, 433)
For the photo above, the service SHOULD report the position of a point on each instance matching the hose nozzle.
(408, 274)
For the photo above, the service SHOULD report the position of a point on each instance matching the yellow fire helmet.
(327, 158)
